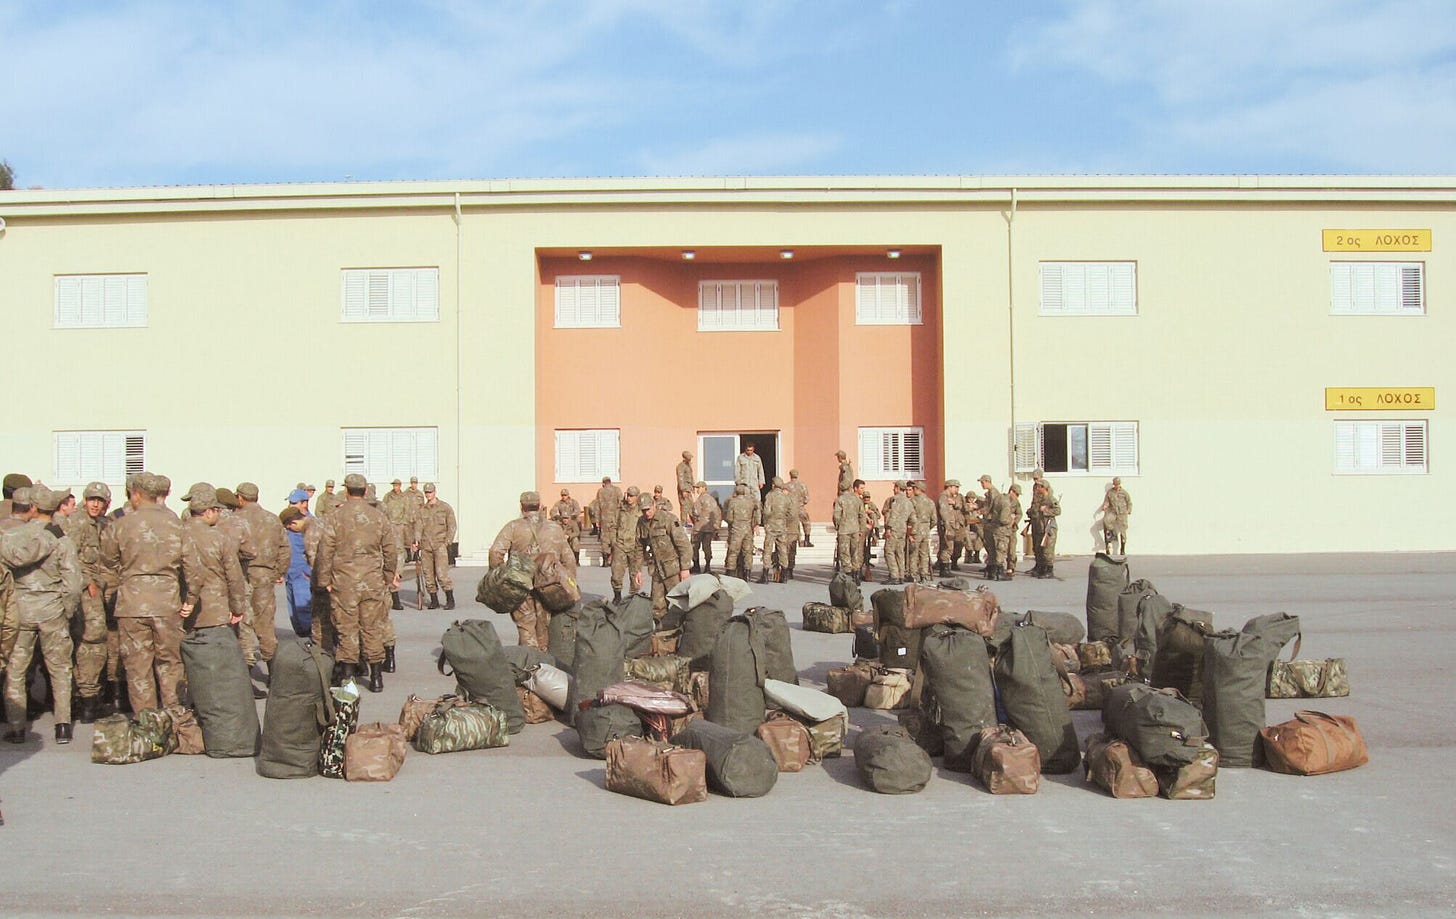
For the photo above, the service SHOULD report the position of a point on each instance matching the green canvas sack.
(117, 740)
(633, 618)
(1178, 660)
(1163, 727)
(736, 675)
(472, 650)
(298, 710)
(457, 725)
(958, 674)
(701, 626)
(599, 656)
(1141, 612)
(900, 646)
(1035, 703)
(739, 764)
(774, 625)
(844, 592)
(597, 725)
(222, 692)
(889, 604)
(1235, 676)
(890, 762)
(1062, 628)
(561, 638)
(1106, 577)
(505, 587)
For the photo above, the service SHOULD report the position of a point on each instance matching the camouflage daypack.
(506, 586)
(336, 737)
(1308, 679)
(118, 741)
(457, 725)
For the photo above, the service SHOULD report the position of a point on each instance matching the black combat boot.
(340, 674)
(616, 595)
(376, 678)
(955, 566)
(1049, 571)
(434, 600)
(449, 599)
(86, 709)
(708, 566)
(763, 575)
(123, 697)
(394, 601)
(388, 659)
(695, 569)
(789, 573)
(16, 735)
(63, 732)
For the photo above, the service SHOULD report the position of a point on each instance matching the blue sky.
(166, 93)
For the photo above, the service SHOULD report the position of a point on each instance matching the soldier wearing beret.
(434, 531)
(532, 535)
(356, 565)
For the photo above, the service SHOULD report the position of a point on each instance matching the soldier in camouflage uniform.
(434, 531)
(780, 525)
(1013, 503)
(846, 471)
(322, 631)
(685, 485)
(849, 527)
(532, 535)
(707, 516)
(400, 511)
(997, 529)
(974, 507)
(356, 565)
(92, 651)
(742, 516)
(899, 514)
(608, 504)
(13, 482)
(872, 532)
(566, 514)
(142, 555)
(327, 501)
(371, 498)
(216, 589)
(800, 493)
(1042, 521)
(666, 551)
(264, 572)
(626, 551)
(952, 511)
(924, 522)
(1116, 508)
(47, 588)
(18, 505)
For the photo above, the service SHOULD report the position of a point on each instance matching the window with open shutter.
(1026, 446)
(391, 294)
(587, 456)
(1380, 448)
(891, 453)
(887, 298)
(588, 302)
(725, 306)
(384, 454)
(1377, 288)
(101, 301)
(98, 456)
(1088, 288)
(1087, 447)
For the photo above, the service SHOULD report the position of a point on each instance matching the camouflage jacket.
(899, 513)
(530, 535)
(47, 577)
(924, 515)
(356, 555)
(270, 540)
(326, 502)
(684, 476)
(800, 493)
(1117, 506)
(748, 470)
(435, 525)
(608, 505)
(566, 514)
(626, 524)
(706, 513)
(741, 513)
(849, 514)
(214, 580)
(142, 554)
(846, 476)
(239, 535)
(665, 545)
(400, 509)
(1043, 510)
(779, 510)
(952, 510)
(85, 535)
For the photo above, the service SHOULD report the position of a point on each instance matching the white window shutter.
(1415, 445)
(1051, 288)
(1412, 289)
(356, 451)
(870, 463)
(1123, 288)
(1342, 290)
(68, 302)
(1026, 442)
(1346, 452)
(401, 456)
(68, 457)
(1124, 446)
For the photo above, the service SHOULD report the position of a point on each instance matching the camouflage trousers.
(533, 624)
(740, 549)
(258, 631)
(625, 562)
(94, 649)
(1044, 544)
(323, 624)
(435, 568)
(805, 524)
(359, 621)
(9, 631)
(1004, 539)
(849, 552)
(918, 548)
(54, 637)
(952, 545)
(151, 651)
(685, 505)
(703, 542)
(608, 539)
(988, 541)
(895, 555)
(660, 587)
(776, 547)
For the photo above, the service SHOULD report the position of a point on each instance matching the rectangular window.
(589, 302)
(383, 454)
(1380, 447)
(99, 456)
(887, 298)
(1377, 288)
(891, 453)
(587, 456)
(1089, 288)
(1078, 448)
(738, 306)
(391, 294)
(101, 301)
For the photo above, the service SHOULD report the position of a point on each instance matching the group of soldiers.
(107, 595)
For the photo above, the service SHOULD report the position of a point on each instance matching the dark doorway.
(719, 452)
(767, 448)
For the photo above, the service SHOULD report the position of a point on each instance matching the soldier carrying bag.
(505, 587)
(553, 584)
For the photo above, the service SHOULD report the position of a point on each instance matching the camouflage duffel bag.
(334, 740)
(118, 741)
(821, 617)
(1308, 679)
(666, 671)
(457, 725)
(506, 586)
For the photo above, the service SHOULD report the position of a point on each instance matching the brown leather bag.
(665, 641)
(848, 684)
(374, 752)
(1006, 762)
(787, 740)
(1066, 659)
(553, 584)
(186, 729)
(1314, 743)
(535, 707)
(863, 617)
(415, 711)
(1075, 688)
(655, 770)
(1115, 767)
(926, 606)
(889, 689)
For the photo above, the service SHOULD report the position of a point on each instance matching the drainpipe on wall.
(1011, 331)
(459, 389)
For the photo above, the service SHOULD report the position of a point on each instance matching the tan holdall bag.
(1006, 762)
(888, 689)
(656, 770)
(1194, 781)
(849, 684)
(1116, 768)
(787, 740)
(927, 606)
(1314, 743)
(374, 752)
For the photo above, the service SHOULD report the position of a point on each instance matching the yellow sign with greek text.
(1380, 398)
(1377, 240)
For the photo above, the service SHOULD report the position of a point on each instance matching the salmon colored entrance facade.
(661, 382)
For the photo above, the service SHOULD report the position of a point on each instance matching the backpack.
(473, 651)
(222, 692)
(553, 585)
(298, 709)
(822, 617)
(844, 592)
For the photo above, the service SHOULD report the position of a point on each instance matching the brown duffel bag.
(1066, 659)
(787, 740)
(1193, 781)
(186, 729)
(927, 606)
(415, 711)
(889, 689)
(535, 707)
(1006, 762)
(1115, 767)
(1096, 656)
(665, 641)
(374, 752)
(848, 684)
(863, 617)
(553, 585)
(1076, 689)
(656, 770)
(1314, 743)
(1096, 686)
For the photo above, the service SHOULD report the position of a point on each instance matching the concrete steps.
(821, 535)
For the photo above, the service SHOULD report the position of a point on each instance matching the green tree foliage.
(7, 176)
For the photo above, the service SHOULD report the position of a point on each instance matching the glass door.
(717, 453)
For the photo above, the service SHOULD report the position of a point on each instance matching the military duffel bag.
(1308, 679)
(975, 610)
(561, 637)
(1062, 628)
(900, 646)
(787, 740)
(222, 692)
(738, 764)
(1162, 726)
(1097, 656)
(334, 741)
(1095, 687)
(1193, 781)
(458, 724)
(1006, 762)
(600, 656)
(1235, 676)
(958, 674)
(825, 716)
(1178, 661)
(656, 770)
(414, 712)
(1314, 743)
(374, 753)
(1141, 614)
(821, 617)
(845, 593)
(889, 689)
(889, 604)
(506, 586)
(665, 641)
(1106, 577)
(866, 643)
(1035, 701)
(117, 740)
(848, 684)
(299, 709)
(553, 584)
(779, 660)
(597, 725)
(187, 731)
(890, 762)
(473, 651)
(1116, 768)
(736, 675)
(665, 671)
(702, 624)
(633, 618)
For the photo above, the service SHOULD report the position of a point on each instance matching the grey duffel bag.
(889, 762)
(739, 765)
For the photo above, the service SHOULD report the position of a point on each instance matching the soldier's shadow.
(14, 754)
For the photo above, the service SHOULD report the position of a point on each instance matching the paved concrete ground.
(529, 830)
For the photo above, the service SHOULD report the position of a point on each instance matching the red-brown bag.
(926, 606)
(1314, 743)
(1114, 766)
(1006, 762)
(374, 752)
(656, 771)
(848, 684)
(787, 740)
(535, 707)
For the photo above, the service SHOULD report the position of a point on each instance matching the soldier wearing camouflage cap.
(567, 515)
(898, 513)
(800, 493)
(665, 550)
(849, 526)
(264, 572)
(707, 516)
(13, 481)
(605, 509)
(742, 514)
(434, 532)
(216, 592)
(400, 510)
(99, 646)
(356, 566)
(532, 535)
(685, 486)
(951, 513)
(626, 551)
(780, 524)
(924, 522)
(19, 514)
(327, 501)
(846, 471)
